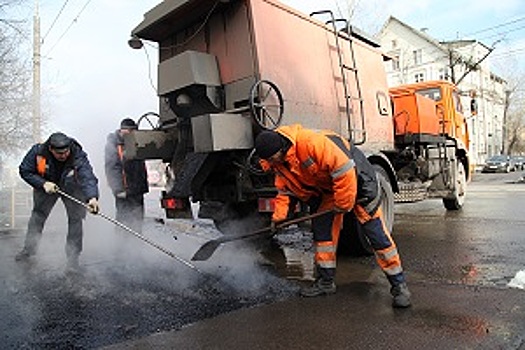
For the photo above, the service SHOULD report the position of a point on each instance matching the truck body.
(229, 69)
(432, 141)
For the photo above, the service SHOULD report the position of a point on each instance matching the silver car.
(499, 164)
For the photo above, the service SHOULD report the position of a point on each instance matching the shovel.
(135, 233)
(208, 248)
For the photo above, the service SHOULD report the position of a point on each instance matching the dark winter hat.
(268, 142)
(128, 123)
(59, 142)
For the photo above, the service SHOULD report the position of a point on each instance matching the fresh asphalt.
(130, 296)
(458, 266)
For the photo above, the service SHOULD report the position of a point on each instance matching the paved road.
(131, 296)
(458, 267)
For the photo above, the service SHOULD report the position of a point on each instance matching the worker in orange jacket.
(325, 171)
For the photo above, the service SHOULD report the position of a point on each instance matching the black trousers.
(42, 205)
(130, 211)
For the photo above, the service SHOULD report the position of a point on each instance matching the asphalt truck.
(229, 69)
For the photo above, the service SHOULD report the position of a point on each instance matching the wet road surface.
(131, 296)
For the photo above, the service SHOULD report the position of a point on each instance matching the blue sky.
(483, 20)
(91, 78)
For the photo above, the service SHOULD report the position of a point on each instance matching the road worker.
(60, 163)
(127, 178)
(323, 170)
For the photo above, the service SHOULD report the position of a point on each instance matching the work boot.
(23, 256)
(318, 288)
(401, 296)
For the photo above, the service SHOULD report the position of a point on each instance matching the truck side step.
(410, 192)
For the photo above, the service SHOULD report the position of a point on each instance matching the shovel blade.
(206, 250)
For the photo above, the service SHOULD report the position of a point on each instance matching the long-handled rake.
(128, 229)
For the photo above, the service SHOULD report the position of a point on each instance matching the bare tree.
(515, 117)
(15, 88)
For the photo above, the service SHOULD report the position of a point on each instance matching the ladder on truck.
(357, 132)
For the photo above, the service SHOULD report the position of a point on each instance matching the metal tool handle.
(136, 234)
(208, 248)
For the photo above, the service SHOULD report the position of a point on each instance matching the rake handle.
(136, 234)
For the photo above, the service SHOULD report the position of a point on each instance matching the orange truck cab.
(429, 125)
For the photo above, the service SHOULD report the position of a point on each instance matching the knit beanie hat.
(268, 142)
(59, 142)
(128, 123)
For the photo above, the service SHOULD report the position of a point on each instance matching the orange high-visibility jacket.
(315, 164)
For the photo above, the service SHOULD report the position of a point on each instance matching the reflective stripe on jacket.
(321, 162)
(41, 165)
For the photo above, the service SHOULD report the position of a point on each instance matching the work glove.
(121, 195)
(50, 187)
(92, 206)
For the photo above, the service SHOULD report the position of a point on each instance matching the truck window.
(432, 93)
(457, 102)
(382, 103)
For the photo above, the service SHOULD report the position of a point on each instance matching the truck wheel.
(456, 200)
(387, 197)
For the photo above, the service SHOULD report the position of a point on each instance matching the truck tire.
(352, 240)
(387, 197)
(456, 200)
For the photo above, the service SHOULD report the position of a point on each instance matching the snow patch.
(518, 281)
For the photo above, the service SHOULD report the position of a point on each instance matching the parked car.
(519, 162)
(499, 163)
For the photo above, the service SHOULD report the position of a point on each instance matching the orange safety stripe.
(325, 254)
(41, 165)
(120, 151)
(388, 258)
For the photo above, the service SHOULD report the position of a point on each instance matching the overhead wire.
(503, 33)
(69, 27)
(55, 20)
(496, 26)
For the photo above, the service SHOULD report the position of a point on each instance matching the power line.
(69, 27)
(503, 33)
(509, 53)
(55, 20)
(496, 26)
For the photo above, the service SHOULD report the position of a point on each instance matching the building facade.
(415, 57)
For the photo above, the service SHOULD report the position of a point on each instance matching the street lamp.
(135, 43)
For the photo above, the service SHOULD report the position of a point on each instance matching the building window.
(418, 56)
(395, 63)
(394, 44)
(419, 77)
(442, 75)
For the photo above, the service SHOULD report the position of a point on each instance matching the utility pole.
(36, 76)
